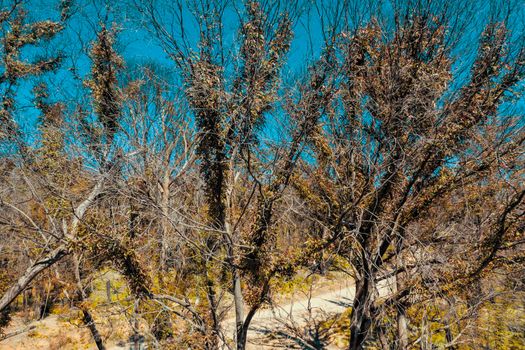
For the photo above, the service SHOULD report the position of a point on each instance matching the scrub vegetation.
(171, 169)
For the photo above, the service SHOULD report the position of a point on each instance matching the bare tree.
(400, 144)
(394, 153)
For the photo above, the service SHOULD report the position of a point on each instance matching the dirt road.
(299, 310)
(295, 311)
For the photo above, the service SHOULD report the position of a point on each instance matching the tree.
(208, 178)
(18, 34)
(402, 143)
(52, 165)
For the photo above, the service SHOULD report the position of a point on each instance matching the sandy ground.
(55, 333)
(299, 310)
(50, 333)
(296, 310)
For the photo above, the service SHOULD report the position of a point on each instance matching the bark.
(242, 333)
(90, 323)
(87, 318)
(424, 333)
(402, 321)
(136, 338)
(54, 256)
(360, 318)
(402, 327)
(15, 333)
(385, 344)
(33, 271)
(164, 221)
(81, 209)
(360, 324)
(238, 300)
(212, 342)
(240, 336)
(162, 325)
(449, 320)
(108, 290)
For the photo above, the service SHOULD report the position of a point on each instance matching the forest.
(262, 174)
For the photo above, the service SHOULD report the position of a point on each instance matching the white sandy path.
(334, 301)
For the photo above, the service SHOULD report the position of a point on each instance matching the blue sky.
(137, 45)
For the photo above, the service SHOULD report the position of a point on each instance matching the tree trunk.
(33, 271)
(164, 221)
(401, 306)
(55, 255)
(90, 323)
(401, 317)
(449, 319)
(212, 342)
(108, 290)
(240, 336)
(402, 327)
(360, 318)
(424, 332)
(242, 332)
(87, 318)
